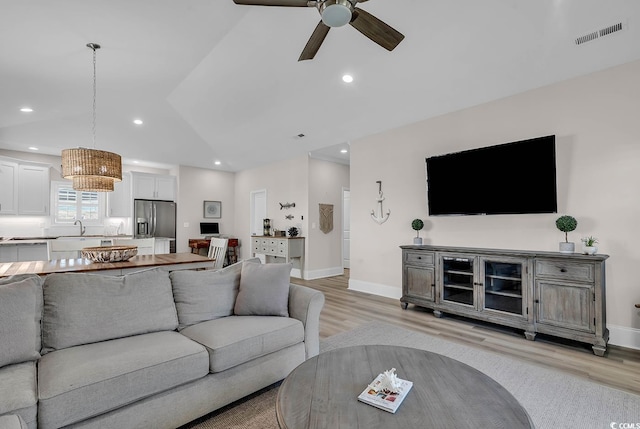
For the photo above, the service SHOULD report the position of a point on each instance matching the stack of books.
(384, 399)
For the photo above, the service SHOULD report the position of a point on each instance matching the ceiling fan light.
(336, 13)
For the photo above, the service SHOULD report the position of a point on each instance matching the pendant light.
(92, 169)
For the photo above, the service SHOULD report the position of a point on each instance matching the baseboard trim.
(624, 337)
(618, 335)
(325, 272)
(375, 289)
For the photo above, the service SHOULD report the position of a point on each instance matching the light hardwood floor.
(345, 309)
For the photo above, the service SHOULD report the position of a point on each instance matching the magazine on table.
(382, 398)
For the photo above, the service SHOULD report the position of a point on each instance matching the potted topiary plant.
(566, 224)
(417, 225)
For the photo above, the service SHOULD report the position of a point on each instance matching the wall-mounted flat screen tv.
(511, 178)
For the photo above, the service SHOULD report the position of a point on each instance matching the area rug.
(552, 398)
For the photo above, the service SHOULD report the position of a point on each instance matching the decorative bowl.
(109, 253)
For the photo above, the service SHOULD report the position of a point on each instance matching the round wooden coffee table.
(322, 393)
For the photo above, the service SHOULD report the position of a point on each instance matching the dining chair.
(218, 251)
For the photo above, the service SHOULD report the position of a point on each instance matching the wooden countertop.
(170, 261)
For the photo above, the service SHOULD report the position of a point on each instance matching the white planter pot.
(589, 250)
(567, 247)
(417, 240)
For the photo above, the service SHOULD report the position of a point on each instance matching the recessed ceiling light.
(136, 162)
(217, 163)
(347, 78)
(33, 148)
(26, 110)
(138, 121)
(344, 151)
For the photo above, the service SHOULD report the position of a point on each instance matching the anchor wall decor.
(379, 217)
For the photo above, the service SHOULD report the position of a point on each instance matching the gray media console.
(539, 292)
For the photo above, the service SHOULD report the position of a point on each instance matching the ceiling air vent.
(599, 33)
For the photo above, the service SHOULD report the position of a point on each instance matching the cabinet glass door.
(503, 286)
(457, 280)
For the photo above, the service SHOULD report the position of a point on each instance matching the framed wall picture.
(212, 209)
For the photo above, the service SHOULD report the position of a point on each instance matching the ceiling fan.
(336, 13)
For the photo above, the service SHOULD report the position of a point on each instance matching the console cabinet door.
(503, 286)
(567, 305)
(419, 282)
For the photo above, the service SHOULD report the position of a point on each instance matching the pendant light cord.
(94, 97)
(93, 47)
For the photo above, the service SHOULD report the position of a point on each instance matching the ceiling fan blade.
(376, 30)
(292, 3)
(316, 39)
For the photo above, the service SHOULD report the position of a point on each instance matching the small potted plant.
(566, 224)
(417, 225)
(588, 245)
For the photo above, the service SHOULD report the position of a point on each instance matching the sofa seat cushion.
(18, 391)
(234, 340)
(84, 381)
(12, 421)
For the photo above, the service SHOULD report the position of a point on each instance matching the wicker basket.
(109, 253)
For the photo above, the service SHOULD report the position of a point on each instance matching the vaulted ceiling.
(213, 80)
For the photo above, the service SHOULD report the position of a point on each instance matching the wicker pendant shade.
(92, 169)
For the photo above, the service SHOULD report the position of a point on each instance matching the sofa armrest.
(305, 305)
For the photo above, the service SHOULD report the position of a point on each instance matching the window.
(70, 205)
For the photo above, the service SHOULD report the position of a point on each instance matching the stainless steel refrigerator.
(155, 219)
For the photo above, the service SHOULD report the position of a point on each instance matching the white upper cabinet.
(8, 182)
(33, 189)
(24, 188)
(119, 201)
(153, 186)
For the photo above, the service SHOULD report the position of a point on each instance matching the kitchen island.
(170, 262)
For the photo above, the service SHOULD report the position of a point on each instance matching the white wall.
(196, 185)
(326, 181)
(285, 182)
(595, 120)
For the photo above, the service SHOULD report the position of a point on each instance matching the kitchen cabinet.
(33, 189)
(539, 292)
(24, 188)
(162, 246)
(8, 183)
(21, 252)
(119, 201)
(153, 186)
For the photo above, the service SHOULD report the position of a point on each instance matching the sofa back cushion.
(20, 316)
(264, 290)
(206, 295)
(86, 308)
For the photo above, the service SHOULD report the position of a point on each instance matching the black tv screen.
(511, 178)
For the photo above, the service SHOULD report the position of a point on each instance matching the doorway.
(258, 212)
(346, 228)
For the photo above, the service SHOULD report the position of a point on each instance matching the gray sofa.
(150, 349)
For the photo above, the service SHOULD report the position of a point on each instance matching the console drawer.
(419, 258)
(577, 271)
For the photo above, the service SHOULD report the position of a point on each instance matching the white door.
(346, 228)
(258, 213)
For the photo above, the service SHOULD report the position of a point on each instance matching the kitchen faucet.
(82, 228)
